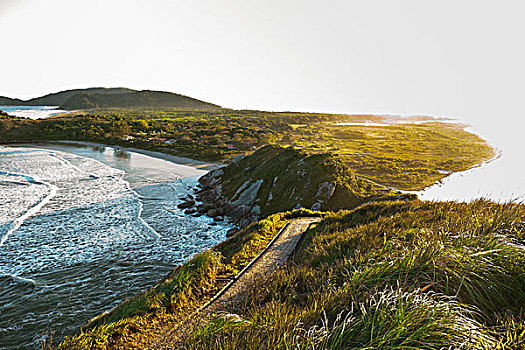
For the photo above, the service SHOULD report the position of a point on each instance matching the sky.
(462, 59)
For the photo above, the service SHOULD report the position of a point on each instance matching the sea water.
(82, 229)
(32, 112)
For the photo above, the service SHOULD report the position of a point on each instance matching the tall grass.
(392, 276)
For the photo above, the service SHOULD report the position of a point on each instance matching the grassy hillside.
(405, 275)
(389, 275)
(275, 179)
(135, 99)
(59, 98)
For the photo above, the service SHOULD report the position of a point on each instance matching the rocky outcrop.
(241, 209)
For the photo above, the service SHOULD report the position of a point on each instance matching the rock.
(190, 211)
(204, 208)
(326, 190)
(212, 213)
(239, 211)
(212, 176)
(247, 194)
(316, 207)
(216, 173)
(186, 205)
(231, 232)
(237, 159)
(218, 218)
(256, 211)
(196, 215)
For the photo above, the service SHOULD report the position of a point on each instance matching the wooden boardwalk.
(228, 300)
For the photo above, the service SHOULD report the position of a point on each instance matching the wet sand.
(169, 157)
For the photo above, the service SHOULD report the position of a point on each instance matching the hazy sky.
(462, 59)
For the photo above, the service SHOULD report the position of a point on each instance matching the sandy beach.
(169, 157)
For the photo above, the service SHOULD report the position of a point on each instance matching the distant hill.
(135, 99)
(112, 98)
(6, 101)
(59, 98)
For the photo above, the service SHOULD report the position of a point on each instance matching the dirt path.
(281, 249)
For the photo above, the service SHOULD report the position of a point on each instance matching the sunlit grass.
(391, 276)
(137, 321)
(408, 156)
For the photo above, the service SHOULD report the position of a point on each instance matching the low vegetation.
(135, 322)
(284, 178)
(405, 156)
(403, 275)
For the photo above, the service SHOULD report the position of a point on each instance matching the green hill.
(135, 99)
(275, 179)
(58, 98)
(98, 97)
(6, 101)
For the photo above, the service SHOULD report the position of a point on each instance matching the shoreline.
(197, 164)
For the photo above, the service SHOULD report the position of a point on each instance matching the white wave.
(141, 209)
(119, 178)
(32, 112)
(68, 163)
(32, 210)
(19, 278)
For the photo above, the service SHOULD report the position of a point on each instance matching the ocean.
(32, 112)
(82, 229)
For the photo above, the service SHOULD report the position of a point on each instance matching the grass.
(134, 323)
(404, 275)
(406, 156)
(291, 177)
